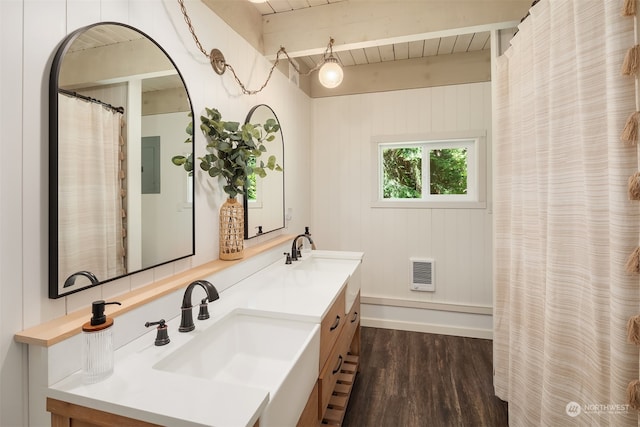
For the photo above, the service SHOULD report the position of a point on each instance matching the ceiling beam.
(243, 17)
(441, 70)
(366, 23)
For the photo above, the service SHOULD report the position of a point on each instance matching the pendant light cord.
(220, 64)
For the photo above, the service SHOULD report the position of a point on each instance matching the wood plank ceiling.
(382, 44)
(468, 42)
(106, 35)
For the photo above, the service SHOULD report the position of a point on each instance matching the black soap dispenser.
(97, 344)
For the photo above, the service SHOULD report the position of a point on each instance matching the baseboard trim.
(427, 328)
(427, 305)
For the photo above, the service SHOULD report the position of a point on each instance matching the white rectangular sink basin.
(277, 355)
(337, 262)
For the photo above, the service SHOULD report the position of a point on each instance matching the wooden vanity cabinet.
(329, 398)
(310, 417)
(339, 358)
(338, 374)
(331, 327)
(65, 414)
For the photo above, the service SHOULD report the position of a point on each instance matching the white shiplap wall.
(30, 31)
(327, 173)
(459, 240)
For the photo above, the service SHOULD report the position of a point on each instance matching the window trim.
(476, 197)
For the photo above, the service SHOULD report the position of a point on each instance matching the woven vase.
(231, 230)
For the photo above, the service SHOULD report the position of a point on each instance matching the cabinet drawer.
(332, 371)
(331, 327)
(353, 321)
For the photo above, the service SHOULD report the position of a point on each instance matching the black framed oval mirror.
(264, 197)
(118, 112)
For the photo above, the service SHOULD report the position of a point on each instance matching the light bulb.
(330, 74)
(258, 1)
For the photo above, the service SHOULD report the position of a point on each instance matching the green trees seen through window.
(403, 169)
(251, 181)
(448, 171)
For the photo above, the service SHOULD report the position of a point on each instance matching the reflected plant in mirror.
(118, 105)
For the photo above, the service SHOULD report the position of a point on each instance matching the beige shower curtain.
(90, 203)
(563, 223)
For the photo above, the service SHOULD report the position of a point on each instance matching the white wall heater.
(421, 274)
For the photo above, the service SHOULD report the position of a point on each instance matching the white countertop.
(136, 390)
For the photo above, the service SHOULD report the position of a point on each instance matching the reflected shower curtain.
(564, 225)
(90, 213)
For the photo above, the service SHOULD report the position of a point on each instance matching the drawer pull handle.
(335, 371)
(335, 325)
(355, 317)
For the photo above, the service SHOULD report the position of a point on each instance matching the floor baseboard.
(427, 328)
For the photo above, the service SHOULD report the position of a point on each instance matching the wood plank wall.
(459, 240)
(30, 32)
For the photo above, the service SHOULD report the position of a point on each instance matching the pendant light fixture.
(329, 69)
(330, 73)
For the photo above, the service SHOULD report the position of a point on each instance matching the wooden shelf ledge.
(56, 330)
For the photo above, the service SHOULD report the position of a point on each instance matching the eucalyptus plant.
(231, 148)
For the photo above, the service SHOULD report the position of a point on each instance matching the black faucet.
(295, 250)
(186, 322)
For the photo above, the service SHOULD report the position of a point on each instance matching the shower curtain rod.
(527, 15)
(88, 98)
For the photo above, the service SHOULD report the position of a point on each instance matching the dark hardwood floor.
(412, 379)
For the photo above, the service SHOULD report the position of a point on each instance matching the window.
(430, 172)
(251, 181)
(254, 187)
